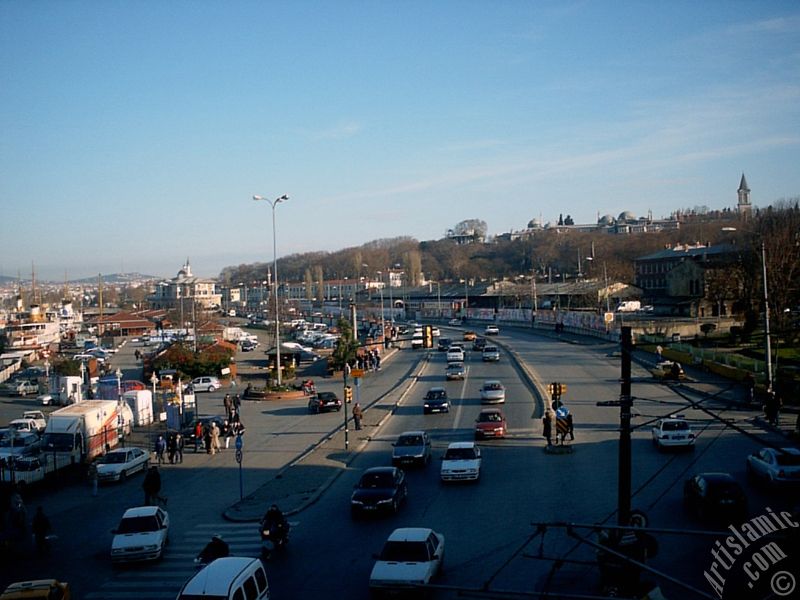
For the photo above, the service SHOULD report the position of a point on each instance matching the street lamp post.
(383, 324)
(118, 373)
(273, 204)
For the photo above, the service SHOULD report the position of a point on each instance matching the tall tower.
(744, 207)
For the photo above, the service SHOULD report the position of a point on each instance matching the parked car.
(25, 425)
(37, 589)
(443, 344)
(490, 423)
(454, 322)
(21, 387)
(715, 497)
(436, 401)
(249, 345)
(673, 432)
(455, 354)
(411, 448)
(479, 344)
(776, 467)
(37, 416)
(491, 330)
(324, 402)
(141, 535)
(206, 384)
(379, 489)
(493, 392)
(455, 370)
(19, 445)
(461, 462)
(26, 470)
(490, 354)
(469, 336)
(410, 557)
(117, 464)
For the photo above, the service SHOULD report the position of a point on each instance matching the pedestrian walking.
(377, 361)
(93, 478)
(237, 402)
(215, 438)
(161, 447)
(40, 527)
(179, 448)
(570, 427)
(547, 427)
(227, 402)
(358, 414)
(198, 435)
(659, 350)
(171, 449)
(151, 485)
(227, 433)
(207, 438)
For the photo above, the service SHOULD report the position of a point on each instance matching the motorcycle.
(273, 538)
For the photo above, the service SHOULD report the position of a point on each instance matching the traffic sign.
(239, 456)
(239, 442)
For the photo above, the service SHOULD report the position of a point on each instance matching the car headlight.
(117, 550)
(354, 501)
(387, 501)
(151, 547)
(427, 405)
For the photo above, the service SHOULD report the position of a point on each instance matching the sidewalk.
(301, 482)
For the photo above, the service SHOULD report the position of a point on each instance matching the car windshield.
(410, 440)
(26, 465)
(788, 460)
(376, 480)
(675, 426)
(326, 396)
(114, 458)
(436, 394)
(490, 417)
(459, 454)
(405, 552)
(138, 525)
(489, 349)
(493, 386)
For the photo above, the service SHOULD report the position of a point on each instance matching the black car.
(444, 344)
(380, 489)
(479, 344)
(715, 497)
(436, 401)
(324, 402)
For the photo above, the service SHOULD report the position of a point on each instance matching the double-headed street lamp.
(273, 204)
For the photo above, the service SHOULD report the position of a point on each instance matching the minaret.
(744, 207)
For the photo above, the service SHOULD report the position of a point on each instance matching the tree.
(320, 277)
(471, 227)
(346, 347)
(309, 285)
(707, 328)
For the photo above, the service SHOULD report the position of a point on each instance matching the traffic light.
(427, 338)
(557, 390)
(348, 393)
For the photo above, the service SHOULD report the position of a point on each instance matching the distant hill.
(117, 278)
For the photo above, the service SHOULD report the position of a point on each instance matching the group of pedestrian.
(232, 406)
(170, 448)
(369, 360)
(559, 423)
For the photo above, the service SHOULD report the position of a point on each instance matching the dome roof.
(606, 220)
(626, 216)
(534, 224)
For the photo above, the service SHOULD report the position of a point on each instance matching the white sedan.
(141, 535)
(410, 557)
(117, 464)
(493, 392)
(461, 462)
(777, 467)
(673, 432)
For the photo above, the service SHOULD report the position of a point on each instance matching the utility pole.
(766, 318)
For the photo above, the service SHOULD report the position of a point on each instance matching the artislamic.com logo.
(760, 564)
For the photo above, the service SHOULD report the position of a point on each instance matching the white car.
(141, 535)
(491, 330)
(493, 392)
(117, 464)
(25, 425)
(455, 354)
(461, 462)
(435, 332)
(777, 467)
(673, 432)
(38, 417)
(206, 384)
(410, 557)
(454, 322)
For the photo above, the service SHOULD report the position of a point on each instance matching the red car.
(490, 423)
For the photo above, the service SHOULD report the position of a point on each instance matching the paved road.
(488, 525)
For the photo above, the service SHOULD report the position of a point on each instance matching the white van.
(230, 578)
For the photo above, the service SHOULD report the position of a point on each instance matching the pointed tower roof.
(743, 184)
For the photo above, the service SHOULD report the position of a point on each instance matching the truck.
(78, 433)
(629, 306)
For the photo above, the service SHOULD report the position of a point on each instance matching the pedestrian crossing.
(163, 580)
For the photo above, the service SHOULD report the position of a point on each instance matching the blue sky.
(134, 134)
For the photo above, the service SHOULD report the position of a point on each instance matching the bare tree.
(320, 277)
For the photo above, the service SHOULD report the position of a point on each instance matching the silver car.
(493, 392)
(412, 447)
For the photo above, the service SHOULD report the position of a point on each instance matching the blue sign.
(562, 412)
(239, 442)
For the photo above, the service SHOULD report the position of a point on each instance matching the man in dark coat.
(151, 485)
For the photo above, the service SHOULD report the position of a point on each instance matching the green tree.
(346, 348)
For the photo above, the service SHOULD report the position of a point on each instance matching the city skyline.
(135, 135)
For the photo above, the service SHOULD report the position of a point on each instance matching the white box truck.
(141, 404)
(80, 432)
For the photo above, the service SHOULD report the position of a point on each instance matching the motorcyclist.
(216, 548)
(275, 523)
